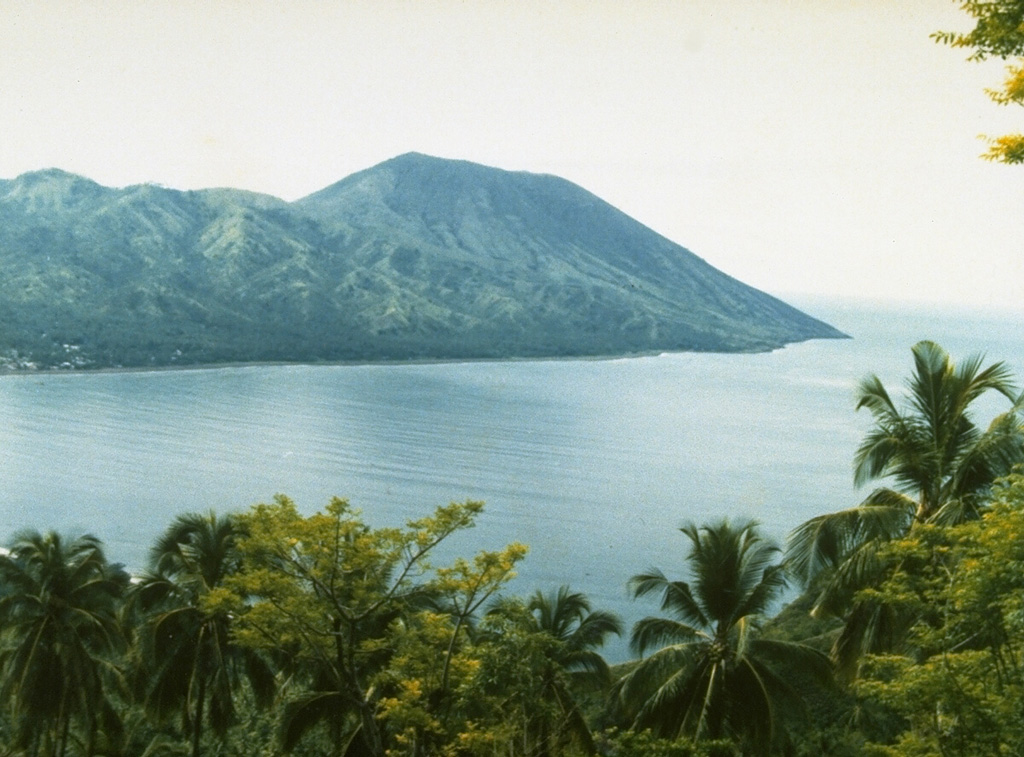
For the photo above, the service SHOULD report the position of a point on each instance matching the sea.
(594, 464)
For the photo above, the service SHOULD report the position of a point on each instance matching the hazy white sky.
(799, 145)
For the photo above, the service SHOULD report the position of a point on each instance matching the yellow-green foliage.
(643, 744)
(960, 682)
(999, 32)
(366, 608)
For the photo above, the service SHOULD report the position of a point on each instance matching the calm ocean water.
(593, 463)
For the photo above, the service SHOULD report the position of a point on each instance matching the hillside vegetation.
(417, 257)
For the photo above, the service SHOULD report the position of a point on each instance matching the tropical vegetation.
(60, 641)
(998, 32)
(957, 682)
(943, 466)
(190, 663)
(712, 677)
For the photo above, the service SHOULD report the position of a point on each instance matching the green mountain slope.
(415, 258)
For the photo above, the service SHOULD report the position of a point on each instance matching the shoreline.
(15, 372)
(9, 372)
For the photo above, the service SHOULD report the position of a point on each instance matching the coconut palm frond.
(193, 666)
(677, 598)
(594, 629)
(871, 627)
(634, 689)
(650, 633)
(824, 542)
(942, 466)
(302, 714)
(706, 674)
(59, 612)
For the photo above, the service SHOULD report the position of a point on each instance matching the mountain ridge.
(416, 257)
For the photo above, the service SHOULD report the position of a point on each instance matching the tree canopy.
(958, 682)
(942, 465)
(191, 664)
(365, 617)
(711, 676)
(998, 32)
(59, 637)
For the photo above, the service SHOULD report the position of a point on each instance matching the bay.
(592, 463)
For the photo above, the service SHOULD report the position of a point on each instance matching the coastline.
(6, 372)
(9, 372)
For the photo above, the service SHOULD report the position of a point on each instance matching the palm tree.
(567, 618)
(711, 677)
(942, 463)
(193, 668)
(573, 632)
(943, 467)
(60, 635)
